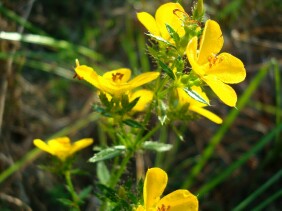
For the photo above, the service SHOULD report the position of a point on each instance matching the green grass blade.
(243, 159)
(262, 188)
(216, 139)
(50, 42)
(270, 199)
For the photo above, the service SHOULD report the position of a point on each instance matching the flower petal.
(179, 200)
(206, 113)
(125, 74)
(225, 92)
(211, 41)
(165, 14)
(154, 185)
(143, 79)
(43, 146)
(78, 145)
(229, 69)
(88, 74)
(191, 52)
(149, 22)
(146, 97)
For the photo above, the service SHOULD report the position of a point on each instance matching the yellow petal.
(225, 92)
(143, 79)
(204, 112)
(140, 208)
(185, 98)
(154, 185)
(88, 74)
(149, 22)
(43, 146)
(124, 75)
(166, 15)
(229, 69)
(211, 41)
(61, 147)
(179, 200)
(191, 52)
(146, 97)
(78, 145)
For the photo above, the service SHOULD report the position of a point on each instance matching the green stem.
(74, 195)
(116, 176)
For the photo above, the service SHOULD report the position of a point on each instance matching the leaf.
(162, 112)
(156, 146)
(166, 69)
(196, 96)
(105, 154)
(66, 202)
(103, 173)
(160, 39)
(132, 123)
(172, 33)
(85, 193)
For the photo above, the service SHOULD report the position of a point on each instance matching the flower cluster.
(192, 65)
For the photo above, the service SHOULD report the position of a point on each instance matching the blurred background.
(39, 42)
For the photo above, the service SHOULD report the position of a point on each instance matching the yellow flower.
(197, 106)
(115, 82)
(169, 13)
(154, 185)
(62, 147)
(146, 96)
(216, 70)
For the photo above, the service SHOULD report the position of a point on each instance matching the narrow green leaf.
(105, 154)
(85, 192)
(132, 123)
(172, 33)
(160, 39)
(166, 69)
(103, 173)
(156, 146)
(196, 96)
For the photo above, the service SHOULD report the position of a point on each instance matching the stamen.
(164, 208)
(117, 76)
(213, 60)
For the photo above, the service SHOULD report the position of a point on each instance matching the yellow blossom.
(62, 147)
(115, 82)
(146, 96)
(169, 13)
(154, 185)
(197, 106)
(216, 70)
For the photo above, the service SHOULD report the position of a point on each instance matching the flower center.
(164, 208)
(213, 60)
(116, 77)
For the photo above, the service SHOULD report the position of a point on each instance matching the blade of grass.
(34, 153)
(243, 159)
(270, 199)
(262, 188)
(216, 139)
(50, 42)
